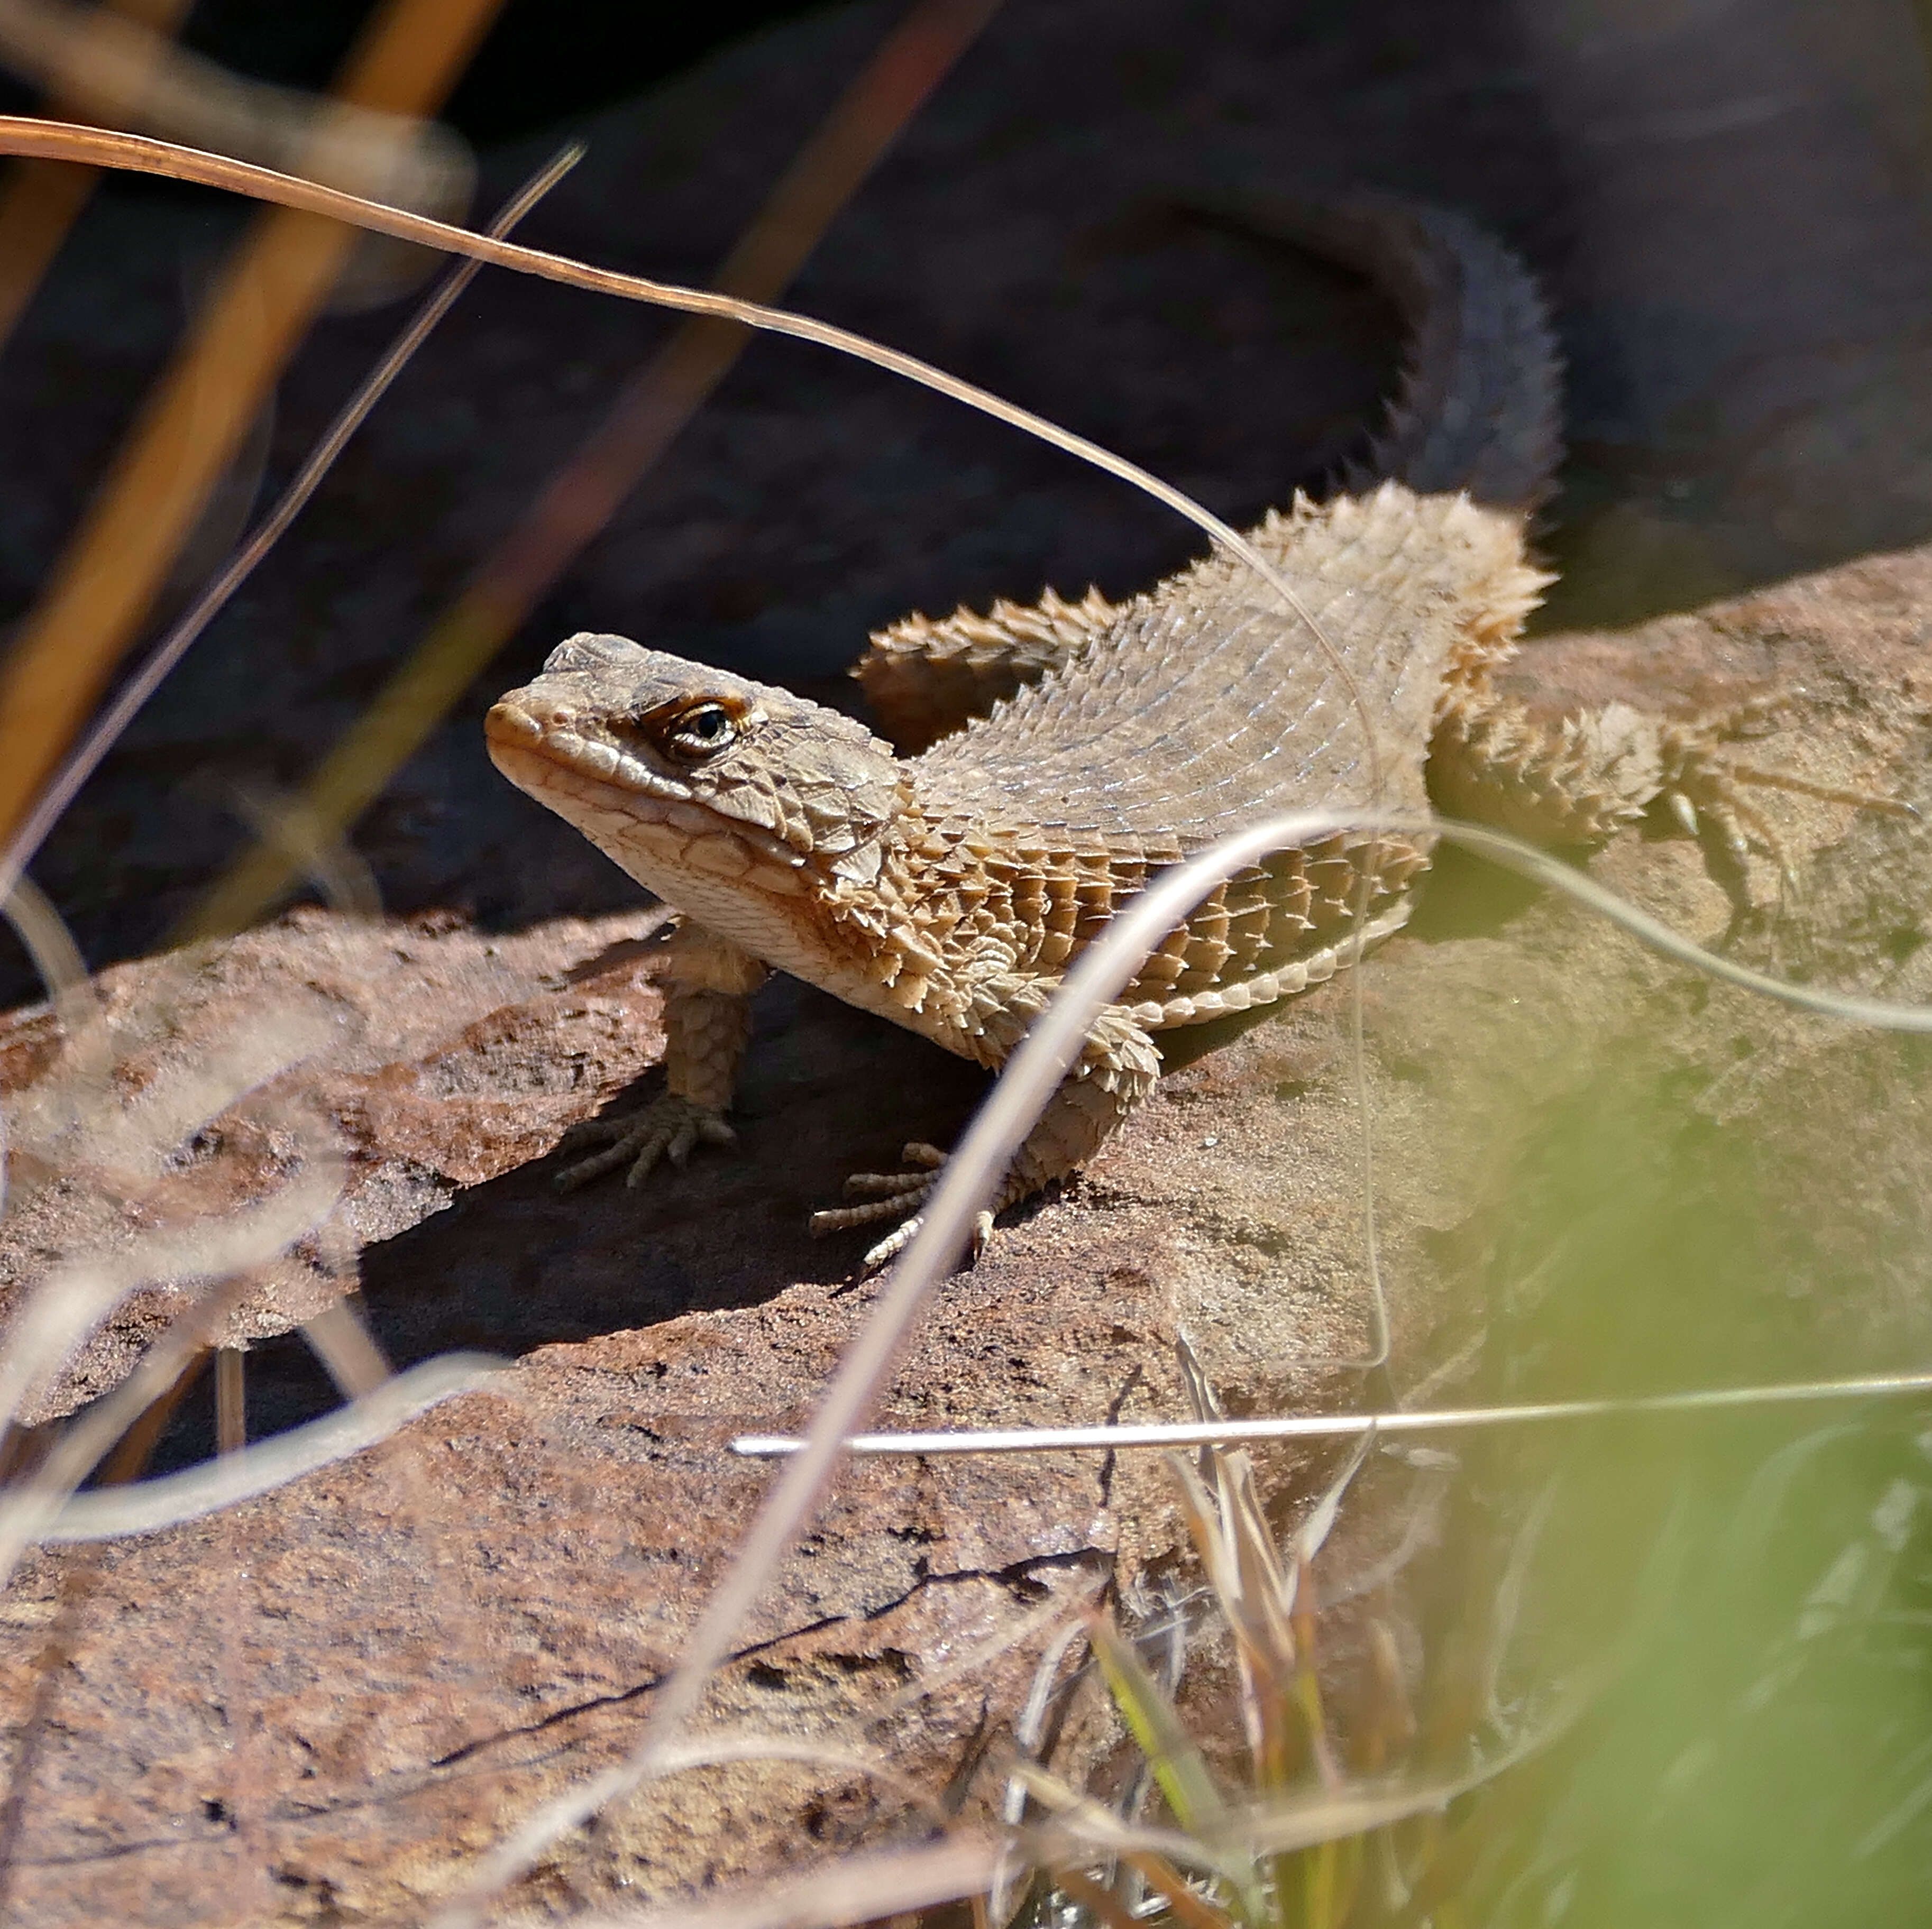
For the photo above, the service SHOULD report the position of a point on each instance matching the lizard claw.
(902, 1235)
(887, 1195)
(670, 1127)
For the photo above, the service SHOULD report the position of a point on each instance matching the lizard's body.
(949, 891)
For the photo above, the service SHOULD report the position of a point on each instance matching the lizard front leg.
(708, 983)
(1115, 1071)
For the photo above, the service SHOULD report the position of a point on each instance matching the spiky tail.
(1480, 407)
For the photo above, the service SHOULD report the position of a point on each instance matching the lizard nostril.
(513, 723)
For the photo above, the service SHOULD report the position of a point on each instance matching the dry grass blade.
(1059, 1620)
(43, 1333)
(342, 1342)
(1029, 1730)
(182, 634)
(41, 200)
(859, 1889)
(21, 136)
(1263, 1602)
(1312, 1535)
(1506, 1607)
(1100, 1901)
(1282, 1826)
(102, 1433)
(1256, 1597)
(753, 1745)
(134, 1141)
(1253, 1591)
(1087, 1822)
(1191, 1910)
(114, 67)
(150, 1506)
(1178, 1764)
(231, 1400)
(197, 417)
(1101, 1439)
(1084, 1830)
(83, 1090)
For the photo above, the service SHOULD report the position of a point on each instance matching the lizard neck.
(907, 932)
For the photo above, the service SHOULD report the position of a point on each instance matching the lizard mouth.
(523, 746)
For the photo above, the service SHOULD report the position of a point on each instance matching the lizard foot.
(668, 1128)
(1706, 792)
(888, 1194)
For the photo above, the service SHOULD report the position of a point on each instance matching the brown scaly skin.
(948, 892)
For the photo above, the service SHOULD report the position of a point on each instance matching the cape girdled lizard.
(1078, 749)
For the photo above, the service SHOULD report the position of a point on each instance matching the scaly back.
(1206, 704)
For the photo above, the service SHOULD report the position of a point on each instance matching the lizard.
(1063, 754)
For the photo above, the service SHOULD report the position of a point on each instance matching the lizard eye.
(701, 730)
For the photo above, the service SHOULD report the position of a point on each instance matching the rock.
(400, 1039)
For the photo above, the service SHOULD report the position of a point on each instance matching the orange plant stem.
(117, 561)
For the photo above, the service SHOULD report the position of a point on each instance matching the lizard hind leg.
(1116, 1070)
(1705, 788)
(1582, 777)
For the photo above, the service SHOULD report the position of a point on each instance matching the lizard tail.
(1480, 407)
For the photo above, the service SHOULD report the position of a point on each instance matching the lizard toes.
(595, 1167)
(982, 1230)
(887, 1185)
(690, 1132)
(902, 1235)
(907, 1188)
(904, 1197)
(670, 1128)
(649, 1150)
(895, 1243)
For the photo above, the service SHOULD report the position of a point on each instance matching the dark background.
(542, 60)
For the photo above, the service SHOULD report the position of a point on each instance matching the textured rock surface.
(320, 1707)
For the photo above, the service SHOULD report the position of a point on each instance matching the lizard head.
(693, 779)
